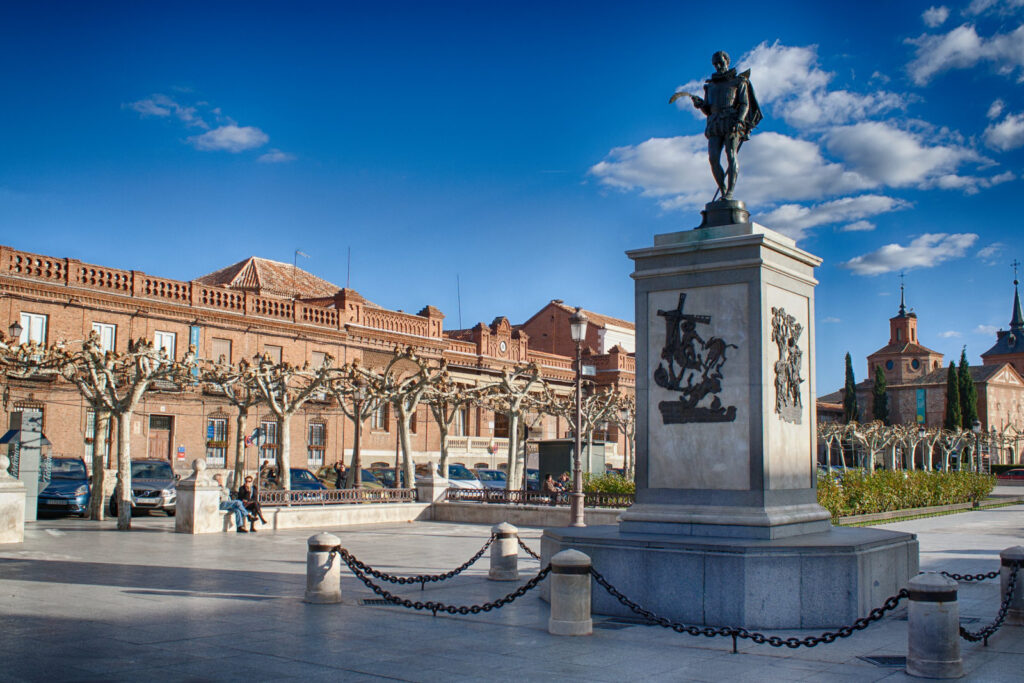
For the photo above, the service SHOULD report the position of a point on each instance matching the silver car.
(153, 488)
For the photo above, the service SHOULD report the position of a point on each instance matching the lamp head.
(578, 325)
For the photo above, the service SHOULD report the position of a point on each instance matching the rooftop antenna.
(458, 293)
(295, 266)
(348, 271)
(1015, 265)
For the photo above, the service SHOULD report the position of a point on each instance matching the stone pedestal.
(430, 488)
(726, 518)
(12, 506)
(198, 505)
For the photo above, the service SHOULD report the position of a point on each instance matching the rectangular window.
(220, 348)
(379, 418)
(319, 359)
(90, 439)
(165, 341)
(460, 422)
(274, 352)
(268, 451)
(33, 328)
(107, 334)
(316, 444)
(216, 441)
(500, 426)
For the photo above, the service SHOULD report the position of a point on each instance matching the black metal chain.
(968, 578)
(775, 641)
(984, 633)
(435, 607)
(527, 549)
(422, 579)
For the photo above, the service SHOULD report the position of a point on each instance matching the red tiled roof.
(263, 276)
(597, 319)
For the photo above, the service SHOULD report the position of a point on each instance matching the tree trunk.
(403, 438)
(284, 470)
(97, 491)
(512, 461)
(240, 429)
(443, 464)
(124, 472)
(354, 464)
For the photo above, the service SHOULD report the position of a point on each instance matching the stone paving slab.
(81, 601)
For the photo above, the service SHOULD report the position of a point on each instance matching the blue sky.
(523, 146)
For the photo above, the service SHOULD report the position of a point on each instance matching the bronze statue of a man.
(732, 112)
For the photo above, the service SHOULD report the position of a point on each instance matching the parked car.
(532, 480)
(153, 488)
(387, 477)
(492, 479)
(461, 477)
(68, 489)
(327, 476)
(1012, 475)
(304, 480)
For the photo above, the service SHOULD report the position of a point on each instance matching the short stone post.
(570, 595)
(504, 553)
(12, 505)
(933, 628)
(1008, 559)
(197, 509)
(323, 571)
(431, 487)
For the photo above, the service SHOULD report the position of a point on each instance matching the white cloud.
(962, 48)
(923, 252)
(790, 79)
(276, 156)
(1006, 134)
(858, 226)
(988, 254)
(886, 155)
(995, 109)
(1003, 7)
(987, 330)
(935, 16)
(162, 106)
(794, 219)
(831, 319)
(949, 334)
(230, 138)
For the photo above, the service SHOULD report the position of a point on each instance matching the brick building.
(916, 378)
(259, 306)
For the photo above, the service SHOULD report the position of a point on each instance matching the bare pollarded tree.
(115, 383)
(286, 388)
(517, 391)
(358, 393)
(447, 400)
(237, 383)
(623, 416)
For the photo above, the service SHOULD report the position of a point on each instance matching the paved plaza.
(81, 601)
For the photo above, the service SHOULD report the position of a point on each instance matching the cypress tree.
(968, 393)
(851, 413)
(880, 397)
(952, 398)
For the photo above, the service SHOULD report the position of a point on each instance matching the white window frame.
(108, 335)
(217, 455)
(379, 418)
(166, 341)
(33, 328)
(315, 451)
(268, 451)
(213, 350)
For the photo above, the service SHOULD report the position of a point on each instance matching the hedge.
(856, 492)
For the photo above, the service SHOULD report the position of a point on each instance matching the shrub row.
(607, 483)
(857, 492)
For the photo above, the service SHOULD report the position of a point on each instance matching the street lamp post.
(578, 332)
(925, 457)
(976, 428)
(358, 396)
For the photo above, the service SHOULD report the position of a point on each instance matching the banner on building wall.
(920, 406)
(193, 339)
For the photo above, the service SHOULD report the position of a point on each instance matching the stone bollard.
(12, 505)
(933, 628)
(1007, 559)
(504, 553)
(323, 572)
(570, 595)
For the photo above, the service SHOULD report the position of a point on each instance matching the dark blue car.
(68, 488)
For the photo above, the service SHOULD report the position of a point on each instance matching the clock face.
(503, 347)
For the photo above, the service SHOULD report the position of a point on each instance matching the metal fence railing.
(336, 496)
(603, 500)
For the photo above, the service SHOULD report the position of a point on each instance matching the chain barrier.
(989, 630)
(969, 578)
(357, 568)
(735, 633)
(424, 579)
(527, 549)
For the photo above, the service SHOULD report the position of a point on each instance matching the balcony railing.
(592, 500)
(336, 497)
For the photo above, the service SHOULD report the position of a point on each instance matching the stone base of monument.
(817, 580)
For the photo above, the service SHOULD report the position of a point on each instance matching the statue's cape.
(754, 115)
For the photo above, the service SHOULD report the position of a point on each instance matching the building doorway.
(160, 437)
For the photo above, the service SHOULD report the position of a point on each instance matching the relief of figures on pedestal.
(786, 333)
(693, 367)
